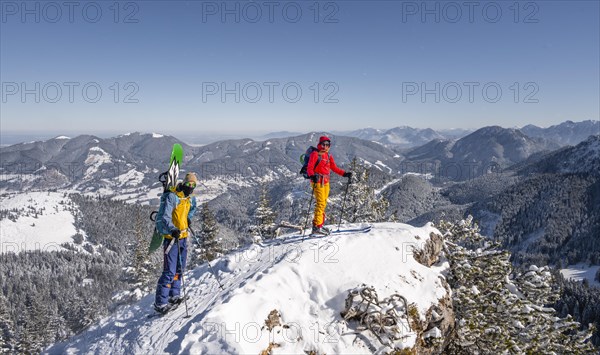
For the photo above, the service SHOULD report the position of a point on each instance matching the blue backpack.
(304, 160)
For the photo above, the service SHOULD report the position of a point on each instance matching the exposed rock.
(430, 254)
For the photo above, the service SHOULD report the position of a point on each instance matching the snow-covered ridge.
(95, 159)
(306, 282)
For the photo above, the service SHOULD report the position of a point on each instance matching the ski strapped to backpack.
(168, 180)
(169, 177)
(304, 158)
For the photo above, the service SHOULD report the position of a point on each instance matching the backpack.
(156, 216)
(304, 160)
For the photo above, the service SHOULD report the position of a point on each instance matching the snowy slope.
(306, 282)
(44, 220)
(581, 271)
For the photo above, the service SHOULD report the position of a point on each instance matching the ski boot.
(163, 308)
(319, 231)
(176, 300)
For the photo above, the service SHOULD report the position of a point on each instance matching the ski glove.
(348, 175)
(314, 179)
(175, 233)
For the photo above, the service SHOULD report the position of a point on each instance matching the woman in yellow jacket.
(174, 216)
(320, 165)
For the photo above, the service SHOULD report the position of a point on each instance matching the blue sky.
(365, 63)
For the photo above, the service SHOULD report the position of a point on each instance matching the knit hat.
(190, 177)
(324, 139)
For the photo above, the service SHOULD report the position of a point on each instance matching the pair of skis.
(168, 180)
(299, 237)
(365, 229)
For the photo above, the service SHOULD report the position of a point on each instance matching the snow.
(52, 227)
(62, 137)
(306, 282)
(95, 159)
(157, 135)
(393, 182)
(131, 178)
(427, 176)
(150, 195)
(433, 333)
(512, 288)
(581, 271)
(380, 163)
(211, 188)
(394, 139)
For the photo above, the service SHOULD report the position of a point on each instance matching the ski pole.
(312, 195)
(344, 203)
(187, 314)
(206, 257)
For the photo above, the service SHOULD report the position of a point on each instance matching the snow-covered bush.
(497, 312)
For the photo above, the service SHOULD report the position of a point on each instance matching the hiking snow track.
(304, 281)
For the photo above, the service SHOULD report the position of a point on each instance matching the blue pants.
(169, 283)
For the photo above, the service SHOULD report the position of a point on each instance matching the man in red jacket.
(320, 165)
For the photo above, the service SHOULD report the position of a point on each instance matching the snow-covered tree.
(264, 216)
(7, 331)
(211, 246)
(362, 202)
(34, 322)
(140, 269)
(498, 312)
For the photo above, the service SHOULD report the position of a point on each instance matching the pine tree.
(7, 331)
(140, 269)
(264, 216)
(34, 322)
(211, 246)
(363, 204)
(497, 313)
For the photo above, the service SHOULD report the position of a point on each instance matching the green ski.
(168, 179)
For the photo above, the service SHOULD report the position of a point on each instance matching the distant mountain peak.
(565, 133)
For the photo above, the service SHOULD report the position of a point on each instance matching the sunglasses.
(326, 144)
(190, 184)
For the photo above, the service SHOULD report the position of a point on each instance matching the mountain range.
(476, 174)
(565, 133)
(127, 165)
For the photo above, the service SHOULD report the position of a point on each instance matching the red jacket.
(324, 168)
